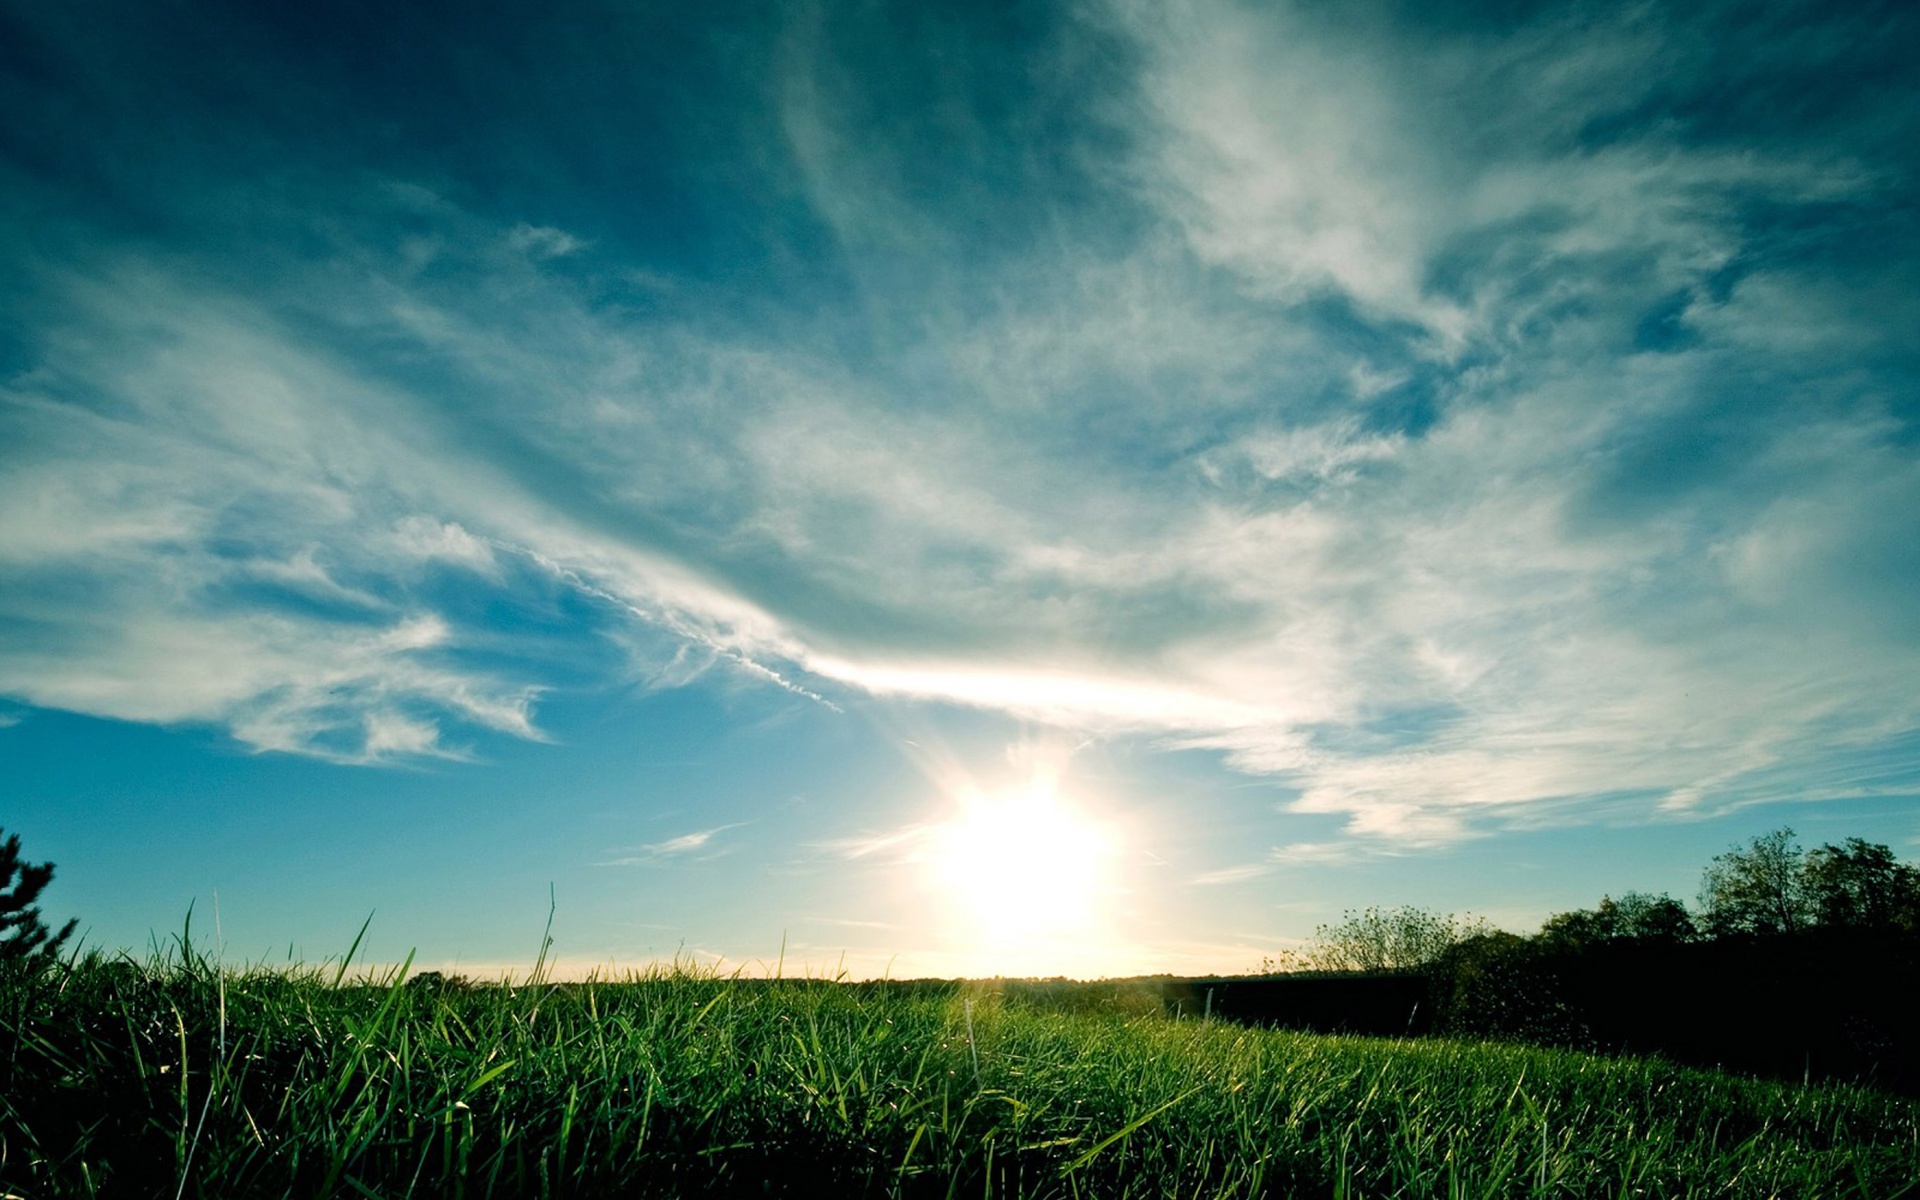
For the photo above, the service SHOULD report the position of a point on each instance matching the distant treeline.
(1795, 963)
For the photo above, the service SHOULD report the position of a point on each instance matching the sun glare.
(1025, 867)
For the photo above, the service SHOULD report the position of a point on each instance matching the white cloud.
(1455, 583)
(276, 682)
(183, 455)
(427, 539)
(392, 734)
(1146, 484)
(543, 241)
(1321, 854)
(681, 845)
(1314, 155)
(303, 573)
(1238, 874)
(1315, 454)
(672, 848)
(905, 844)
(1280, 147)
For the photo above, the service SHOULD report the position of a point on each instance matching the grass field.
(122, 1079)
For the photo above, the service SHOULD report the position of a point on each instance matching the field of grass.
(177, 1077)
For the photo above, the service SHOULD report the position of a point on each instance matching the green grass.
(119, 1079)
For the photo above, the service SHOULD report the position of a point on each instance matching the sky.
(936, 488)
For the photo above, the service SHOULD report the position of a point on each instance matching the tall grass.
(176, 1076)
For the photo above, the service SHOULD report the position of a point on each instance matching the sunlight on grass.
(140, 1078)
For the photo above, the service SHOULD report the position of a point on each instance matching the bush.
(1386, 939)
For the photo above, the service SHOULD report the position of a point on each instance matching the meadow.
(176, 1076)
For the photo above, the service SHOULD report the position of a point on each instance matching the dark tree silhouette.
(1861, 885)
(23, 935)
(1635, 916)
(1758, 888)
(1771, 886)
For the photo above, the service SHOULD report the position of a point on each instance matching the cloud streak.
(681, 847)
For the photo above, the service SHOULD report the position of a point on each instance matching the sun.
(1024, 867)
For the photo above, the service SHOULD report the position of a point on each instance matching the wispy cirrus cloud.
(1447, 420)
(686, 845)
(1242, 873)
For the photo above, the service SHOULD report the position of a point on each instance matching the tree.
(1386, 939)
(23, 935)
(1760, 888)
(1654, 918)
(1635, 916)
(1861, 885)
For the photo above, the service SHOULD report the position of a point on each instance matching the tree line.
(1769, 886)
(1794, 963)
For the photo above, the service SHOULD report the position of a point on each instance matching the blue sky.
(812, 474)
